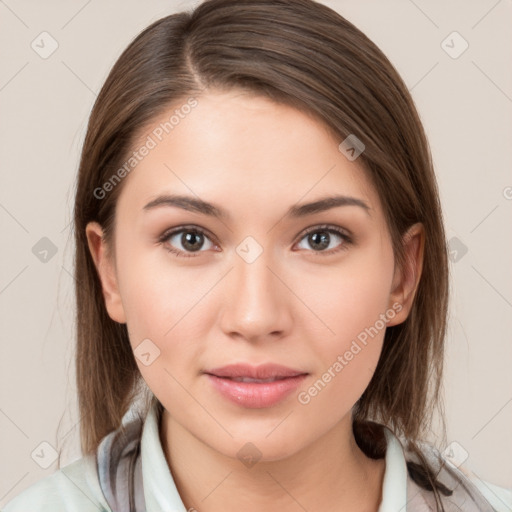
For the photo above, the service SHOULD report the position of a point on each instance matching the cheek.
(351, 297)
(168, 314)
(346, 360)
(163, 302)
(352, 304)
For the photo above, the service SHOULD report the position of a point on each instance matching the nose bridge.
(257, 305)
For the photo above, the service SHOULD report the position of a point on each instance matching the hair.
(302, 54)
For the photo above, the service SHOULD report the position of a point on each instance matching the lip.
(264, 371)
(255, 395)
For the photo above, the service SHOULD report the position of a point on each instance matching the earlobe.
(406, 279)
(106, 272)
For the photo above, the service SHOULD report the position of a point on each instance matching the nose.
(258, 304)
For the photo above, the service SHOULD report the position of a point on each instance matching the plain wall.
(465, 104)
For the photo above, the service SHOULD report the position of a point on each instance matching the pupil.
(322, 239)
(189, 241)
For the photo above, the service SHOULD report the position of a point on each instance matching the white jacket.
(86, 485)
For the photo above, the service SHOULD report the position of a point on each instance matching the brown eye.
(322, 239)
(186, 241)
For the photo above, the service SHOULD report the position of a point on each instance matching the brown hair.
(303, 54)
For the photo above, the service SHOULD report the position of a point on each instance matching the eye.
(320, 238)
(188, 240)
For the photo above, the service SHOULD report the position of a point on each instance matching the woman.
(260, 258)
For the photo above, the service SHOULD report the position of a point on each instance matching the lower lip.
(256, 395)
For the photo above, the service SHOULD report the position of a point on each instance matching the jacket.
(140, 480)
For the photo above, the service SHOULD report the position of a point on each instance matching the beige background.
(465, 104)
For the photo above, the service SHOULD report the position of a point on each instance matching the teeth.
(249, 379)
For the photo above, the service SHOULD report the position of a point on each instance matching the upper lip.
(264, 371)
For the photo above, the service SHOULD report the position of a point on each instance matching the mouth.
(265, 372)
(255, 387)
(249, 379)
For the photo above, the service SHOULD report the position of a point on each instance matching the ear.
(406, 279)
(106, 272)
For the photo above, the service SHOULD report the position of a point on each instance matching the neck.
(331, 474)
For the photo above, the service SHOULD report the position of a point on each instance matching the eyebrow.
(197, 205)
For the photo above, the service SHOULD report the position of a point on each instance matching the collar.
(394, 485)
(159, 488)
(161, 493)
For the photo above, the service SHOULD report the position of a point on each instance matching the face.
(266, 281)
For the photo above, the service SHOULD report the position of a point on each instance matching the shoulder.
(463, 490)
(73, 487)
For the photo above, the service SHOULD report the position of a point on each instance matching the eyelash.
(347, 240)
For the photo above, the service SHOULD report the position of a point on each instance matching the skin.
(293, 305)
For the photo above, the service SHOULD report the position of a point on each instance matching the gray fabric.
(465, 495)
(120, 470)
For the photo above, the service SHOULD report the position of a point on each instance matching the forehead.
(236, 148)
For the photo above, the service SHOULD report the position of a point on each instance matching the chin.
(260, 447)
